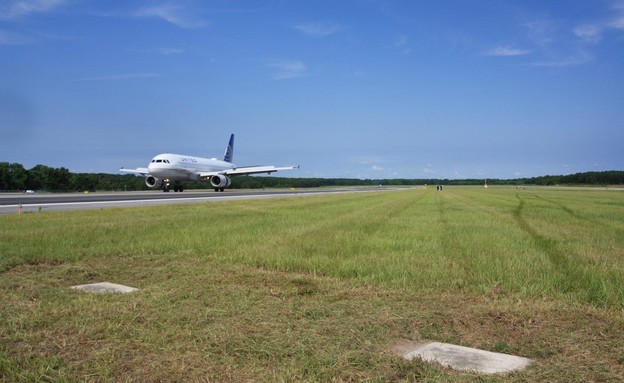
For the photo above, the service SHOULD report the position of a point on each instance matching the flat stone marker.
(463, 358)
(105, 287)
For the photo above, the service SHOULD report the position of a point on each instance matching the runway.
(41, 202)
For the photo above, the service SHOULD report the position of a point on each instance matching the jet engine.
(220, 181)
(153, 182)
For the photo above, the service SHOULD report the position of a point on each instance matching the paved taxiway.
(10, 202)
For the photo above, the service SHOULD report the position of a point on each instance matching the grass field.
(317, 289)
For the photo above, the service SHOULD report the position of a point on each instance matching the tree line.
(14, 177)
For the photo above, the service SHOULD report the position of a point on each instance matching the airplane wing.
(246, 170)
(141, 171)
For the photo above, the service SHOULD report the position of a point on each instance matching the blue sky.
(358, 89)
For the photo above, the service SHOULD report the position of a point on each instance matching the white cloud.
(288, 69)
(591, 33)
(174, 14)
(18, 8)
(507, 51)
(554, 42)
(377, 168)
(318, 29)
(170, 51)
(617, 23)
(542, 32)
(165, 51)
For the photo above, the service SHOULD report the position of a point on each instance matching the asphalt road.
(10, 202)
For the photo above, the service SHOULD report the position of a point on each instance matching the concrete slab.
(105, 287)
(463, 358)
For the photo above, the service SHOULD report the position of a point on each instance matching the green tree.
(17, 177)
(83, 181)
(5, 177)
(59, 179)
(37, 177)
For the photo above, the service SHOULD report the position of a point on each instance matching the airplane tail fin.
(229, 150)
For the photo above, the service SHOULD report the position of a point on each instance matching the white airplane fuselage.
(176, 167)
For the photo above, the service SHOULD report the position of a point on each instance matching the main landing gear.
(176, 188)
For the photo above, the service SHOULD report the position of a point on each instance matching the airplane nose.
(153, 166)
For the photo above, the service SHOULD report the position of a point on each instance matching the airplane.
(168, 168)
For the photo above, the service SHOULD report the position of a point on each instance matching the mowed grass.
(317, 289)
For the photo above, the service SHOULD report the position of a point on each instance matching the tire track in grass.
(602, 276)
(492, 244)
(569, 276)
(452, 248)
(562, 271)
(465, 232)
(571, 212)
(547, 245)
